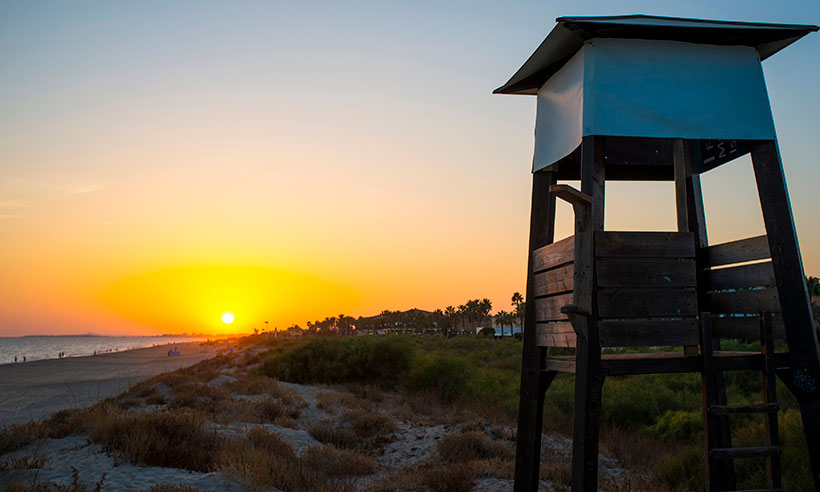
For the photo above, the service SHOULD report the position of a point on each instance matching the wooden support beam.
(791, 288)
(589, 378)
(534, 381)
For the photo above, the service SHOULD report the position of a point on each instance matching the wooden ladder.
(717, 435)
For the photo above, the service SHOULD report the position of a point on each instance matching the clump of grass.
(334, 462)
(74, 486)
(470, 446)
(371, 424)
(329, 433)
(199, 396)
(25, 462)
(174, 439)
(333, 402)
(17, 436)
(162, 487)
(455, 478)
(257, 385)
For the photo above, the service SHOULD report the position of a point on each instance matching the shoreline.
(102, 352)
(35, 390)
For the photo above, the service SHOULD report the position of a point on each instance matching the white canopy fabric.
(651, 88)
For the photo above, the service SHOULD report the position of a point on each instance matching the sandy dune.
(35, 390)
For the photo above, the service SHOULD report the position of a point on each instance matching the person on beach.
(15, 359)
(24, 358)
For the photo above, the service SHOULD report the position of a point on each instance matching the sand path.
(35, 390)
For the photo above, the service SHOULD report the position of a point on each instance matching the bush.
(329, 360)
(335, 462)
(470, 446)
(445, 376)
(173, 439)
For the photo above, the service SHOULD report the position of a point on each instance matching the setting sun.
(227, 317)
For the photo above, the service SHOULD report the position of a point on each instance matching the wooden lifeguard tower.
(655, 98)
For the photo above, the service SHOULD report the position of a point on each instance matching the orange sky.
(159, 168)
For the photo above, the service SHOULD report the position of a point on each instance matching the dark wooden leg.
(588, 384)
(588, 377)
(533, 380)
(791, 289)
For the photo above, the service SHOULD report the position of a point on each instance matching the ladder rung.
(731, 453)
(750, 408)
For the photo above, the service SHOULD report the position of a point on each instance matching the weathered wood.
(558, 334)
(559, 364)
(749, 249)
(566, 340)
(570, 194)
(646, 303)
(531, 397)
(588, 376)
(553, 255)
(680, 167)
(745, 301)
(556, 281)
(770, 398)
(549, 308)
(644, 244)
(788, 269)
(648, 332)
(743, 276)
(630, 272)
(746, 327)
(696, 224)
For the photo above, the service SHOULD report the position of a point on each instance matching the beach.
(35, 390)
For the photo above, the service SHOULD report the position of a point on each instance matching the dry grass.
(258, 385)
(174, 439)
(369, 425)
(172, 488)
(470, 446)
(36, 486)
(17, 436)
(333, 402)
(25, 463)
(456, 478)
(329, 433)
(334, 462)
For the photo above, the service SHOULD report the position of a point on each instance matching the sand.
(35, 390)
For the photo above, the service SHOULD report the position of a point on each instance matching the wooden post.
(588, 376)
(791, 289)
(691, 218)
(534, 382)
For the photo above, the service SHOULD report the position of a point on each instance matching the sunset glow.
(286, 162)
(227, 317)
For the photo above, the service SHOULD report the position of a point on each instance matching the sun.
(227, 317)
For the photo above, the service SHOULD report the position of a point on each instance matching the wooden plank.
(630, 272)
(646, 303)
(648, 332)
(738, 277)
(556, 281)
(555, 340)
(653, 363)
(644, 244)
(745, 301)
(749, 249)
(553, 255)
(549, 308)
(746, 327)
(556, 334)
(560, 365)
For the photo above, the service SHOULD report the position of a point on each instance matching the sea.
(49, 347)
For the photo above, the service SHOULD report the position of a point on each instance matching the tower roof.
(568, 36)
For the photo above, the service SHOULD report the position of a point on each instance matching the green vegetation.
(660, 414)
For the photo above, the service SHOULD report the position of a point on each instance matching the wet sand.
(35, 390)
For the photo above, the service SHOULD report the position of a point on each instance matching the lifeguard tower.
(645, 98)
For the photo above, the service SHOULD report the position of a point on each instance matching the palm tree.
(450, 312)
(518, 302)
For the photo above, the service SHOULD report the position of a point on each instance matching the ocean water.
(47, 347)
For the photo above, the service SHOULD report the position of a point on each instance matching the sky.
(164, 162)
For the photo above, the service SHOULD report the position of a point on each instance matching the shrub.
(369, 425)
(338, 360)
(17, 436)
(328, 433)
(470, 446)
(446, 377)
(334, 462)
(173, 439)
(458, 478)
